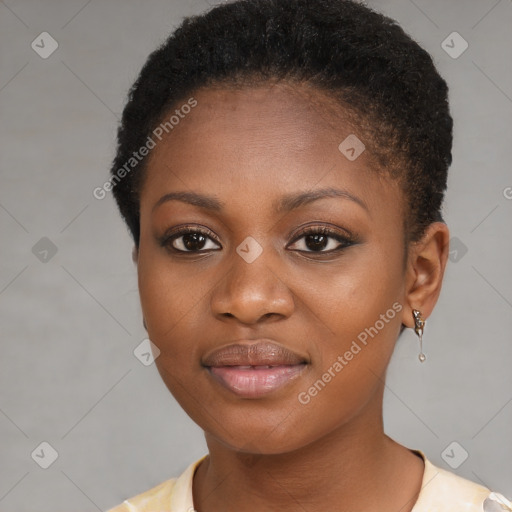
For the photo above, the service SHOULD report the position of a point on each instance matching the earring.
(419, 323)
(144, 323)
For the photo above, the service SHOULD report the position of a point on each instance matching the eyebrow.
(284, 204)
(293, 201)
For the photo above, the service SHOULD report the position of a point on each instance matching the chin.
(267, 434)
(252, 448)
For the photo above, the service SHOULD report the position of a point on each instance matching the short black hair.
(362, 59)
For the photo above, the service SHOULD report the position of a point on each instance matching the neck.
(351, 468)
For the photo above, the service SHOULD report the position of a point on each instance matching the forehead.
(282, 115)
(250, 145)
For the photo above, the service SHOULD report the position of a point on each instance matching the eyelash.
(345, 241)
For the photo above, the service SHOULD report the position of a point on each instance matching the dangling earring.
(419, 323)
(144, 323)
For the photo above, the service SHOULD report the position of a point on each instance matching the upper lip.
(263, 352)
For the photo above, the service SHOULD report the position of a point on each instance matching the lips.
(252, 369)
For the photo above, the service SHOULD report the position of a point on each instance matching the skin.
(248, 148)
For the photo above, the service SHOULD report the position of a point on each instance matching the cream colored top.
(441, 491)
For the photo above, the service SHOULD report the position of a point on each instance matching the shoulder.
(145, 502)
(443, 491)
(173, 495)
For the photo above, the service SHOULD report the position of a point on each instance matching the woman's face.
(326, 305)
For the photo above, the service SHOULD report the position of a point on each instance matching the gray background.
(69, 325)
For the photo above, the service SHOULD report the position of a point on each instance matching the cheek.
(357, 320)
(170, 297)
(345, 299)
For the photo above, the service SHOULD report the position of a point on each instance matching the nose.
(252, 292)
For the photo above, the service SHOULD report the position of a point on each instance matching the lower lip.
(255, 382)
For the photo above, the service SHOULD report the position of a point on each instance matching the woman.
(281, 167)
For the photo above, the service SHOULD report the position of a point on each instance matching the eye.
(191, 240)
(322, 240)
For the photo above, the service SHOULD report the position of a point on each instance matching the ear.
(425, 270)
